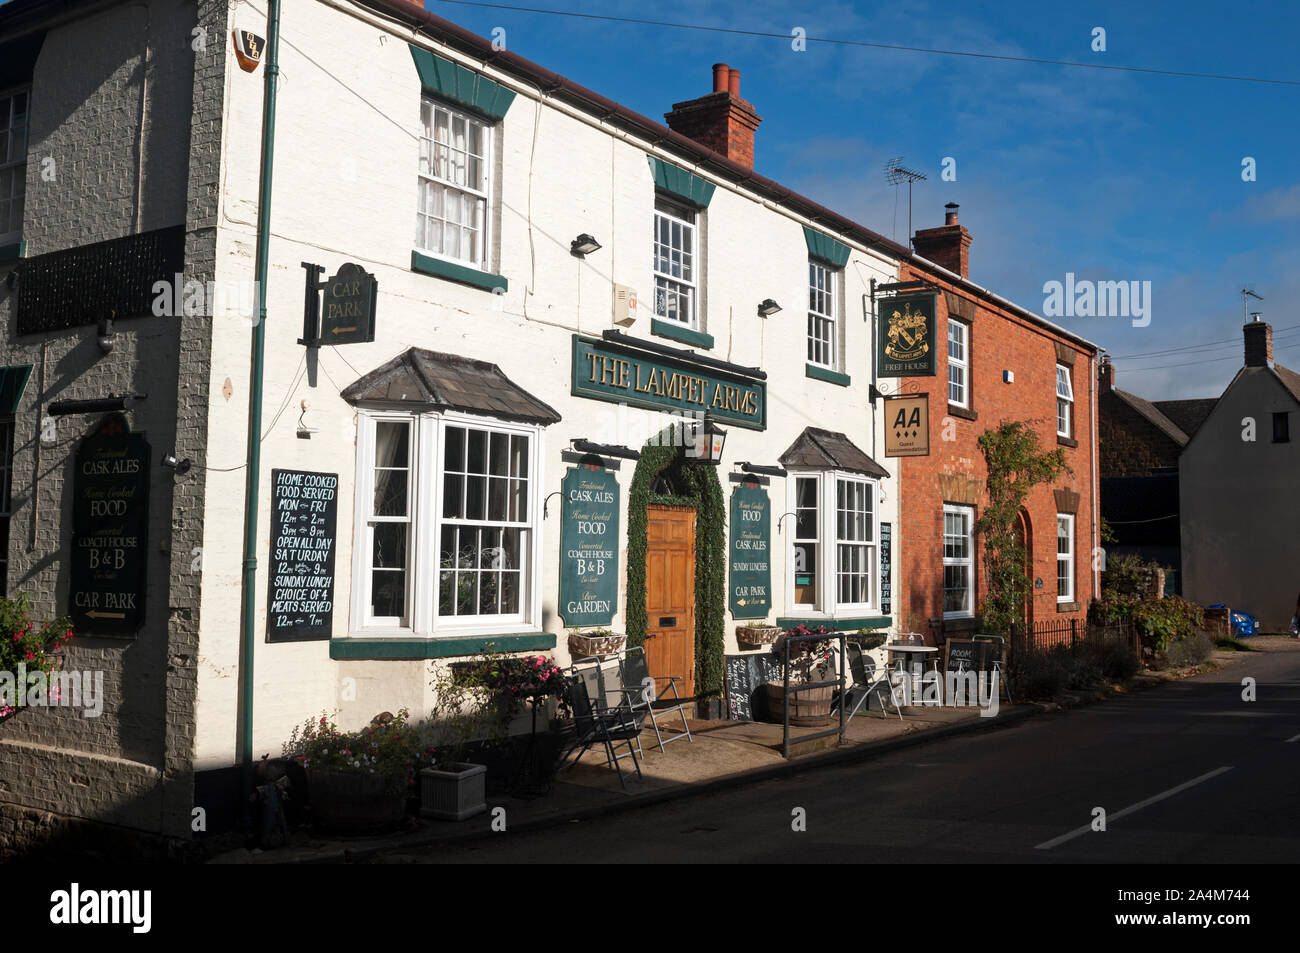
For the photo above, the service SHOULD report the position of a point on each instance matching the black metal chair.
(642, 691)
(867, 679)
(997, 654)
(595, 724)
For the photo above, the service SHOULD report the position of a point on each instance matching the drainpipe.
(252, 484)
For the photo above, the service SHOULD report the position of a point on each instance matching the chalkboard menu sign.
(589, 546)
(751, 544)
(963, 655)
(745, 677)
(110, 530)
(886, 569)
(304, 523)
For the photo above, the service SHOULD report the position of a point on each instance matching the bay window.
(958, 561)
(833, 546)
(447, 525)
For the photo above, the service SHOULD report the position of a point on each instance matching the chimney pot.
(721, 77)
(950, 218)
(721, 120)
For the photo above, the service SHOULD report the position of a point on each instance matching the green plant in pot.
(358, 781)
(476, 701)
(810, 661)
(27, 648)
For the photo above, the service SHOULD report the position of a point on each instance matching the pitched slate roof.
(1187, 415)
(1152, 414)
(449, 382)
(816, 449)
(1289, 378)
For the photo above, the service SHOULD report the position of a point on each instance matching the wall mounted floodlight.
(583, 245)
(768, 308)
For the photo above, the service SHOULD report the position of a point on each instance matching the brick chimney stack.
(948, 245)
(722, 121)
(1259, 343)
(1105, 376)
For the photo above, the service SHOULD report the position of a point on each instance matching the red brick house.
(995, 361)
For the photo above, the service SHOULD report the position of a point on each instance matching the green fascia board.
(13, 251)
(824, 374)
(397, 648)
(839, 625)
(825, 248)
(682, 183)
(428, 265)
(460, 85)
(667, 329)
(13, 381)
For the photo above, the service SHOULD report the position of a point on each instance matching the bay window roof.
(430, 380)
(817, 449)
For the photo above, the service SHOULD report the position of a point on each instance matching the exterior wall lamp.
(768, 308)
(707, 443)
(583, 245)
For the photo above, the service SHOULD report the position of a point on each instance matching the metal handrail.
(840, 637)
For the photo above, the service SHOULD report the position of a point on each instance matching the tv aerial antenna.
(895, 174)
(1245, 304)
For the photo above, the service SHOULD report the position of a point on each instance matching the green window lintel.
(460, 85)
(428, 265)
(825, 374)
(670, 329)
(413, 647)
(681, 183)
(824, 248)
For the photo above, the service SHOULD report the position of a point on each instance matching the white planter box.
(453, 795)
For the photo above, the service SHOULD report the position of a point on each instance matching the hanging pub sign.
(906, 339)
(340, 309)
(607, 371)
(110, 530)
(750, 552)
(907, 426)
(304, 522)
(589, 546)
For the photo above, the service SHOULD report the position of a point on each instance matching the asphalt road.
(1187, 773)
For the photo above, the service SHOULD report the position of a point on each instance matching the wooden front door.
(670, 594)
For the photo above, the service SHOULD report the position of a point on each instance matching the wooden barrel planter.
(808, 709)
(355, 803)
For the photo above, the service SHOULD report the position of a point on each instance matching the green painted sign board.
(607, 371)
(750, 552)
(348, 306)
(906, 336)
(110, 530)
(589, 547)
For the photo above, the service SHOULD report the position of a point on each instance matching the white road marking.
(1087, 828)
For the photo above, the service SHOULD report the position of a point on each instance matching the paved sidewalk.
(723, 754)
(720, 754)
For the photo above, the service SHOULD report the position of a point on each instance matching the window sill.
(428, 265)
(962, 412)
(676, 332)
(1066, 441)
(13, 251)
(1068, 607)
(826, 374)
(384, 647)
(837, 625)
(963, 623)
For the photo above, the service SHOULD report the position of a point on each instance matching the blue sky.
(1109, 175)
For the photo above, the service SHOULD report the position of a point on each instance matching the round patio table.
(903, 649)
